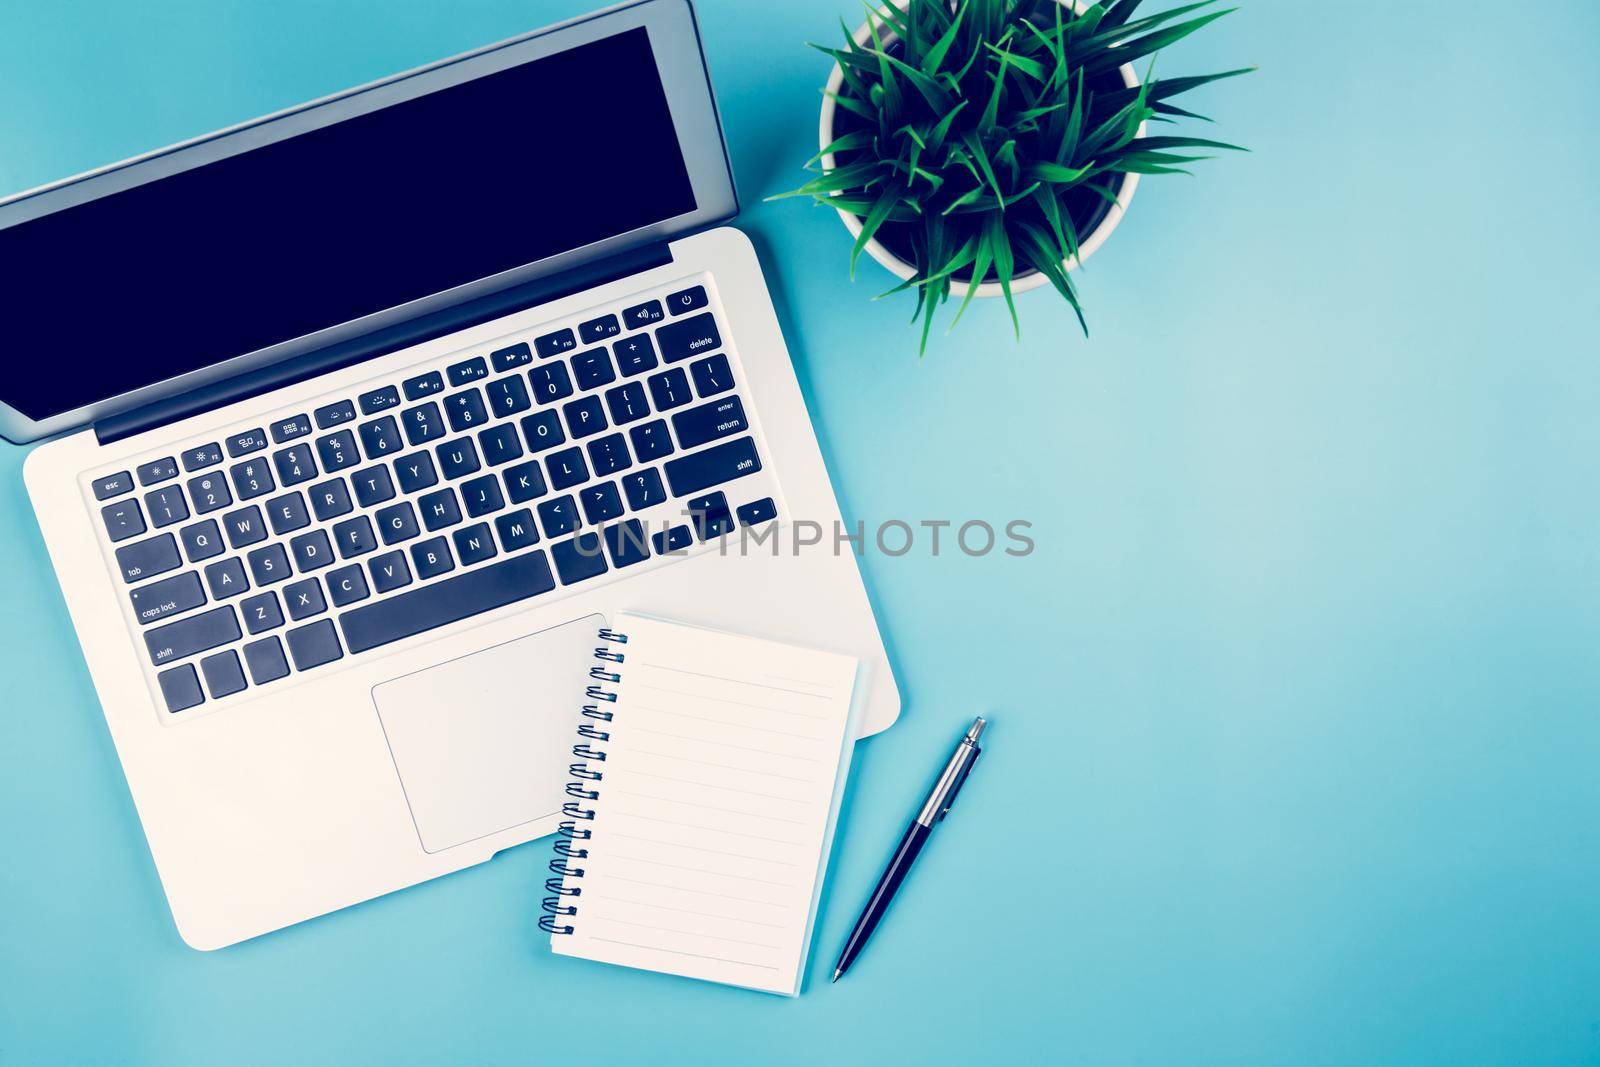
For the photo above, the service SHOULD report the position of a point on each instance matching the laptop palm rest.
(479, 741)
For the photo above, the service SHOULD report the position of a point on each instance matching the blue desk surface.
(1297, 704)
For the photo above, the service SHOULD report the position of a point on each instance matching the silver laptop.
(368, 414)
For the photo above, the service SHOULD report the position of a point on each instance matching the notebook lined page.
(716, 806)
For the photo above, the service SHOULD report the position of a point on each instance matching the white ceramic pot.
(1022, 282)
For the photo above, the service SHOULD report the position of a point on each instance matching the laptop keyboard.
(617, 440)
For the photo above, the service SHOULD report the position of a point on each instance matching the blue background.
(1297, 705)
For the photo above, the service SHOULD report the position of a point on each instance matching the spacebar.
(451, 600)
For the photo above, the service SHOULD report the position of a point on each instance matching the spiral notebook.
(702, 802)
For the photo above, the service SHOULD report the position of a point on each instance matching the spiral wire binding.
(582, 790)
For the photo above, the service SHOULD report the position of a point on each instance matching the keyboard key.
(470, 370)
(157, 470)
(651, 441)
(627, 543)
(242, 444)
(688, 337)
(598, 329)
(516, 355)
(312, 646)
(517, 530)
(465, 410)
(584, 416)
(167, 597)
(265, 660)
(167, 506)
(244, 527)
(113, 485)
(431, 606)
(202, 456)
(252, 478)
(180, 688)
(542, 430)
(291, 428)
(642, 314)
(627, 403)
(424, 385)
(335, 414)
(757, 512)
(197, 633)
(416, 472)
(202, 540)
(224, 676)
(380, 438)
(354, 537)
(423, 423)
(600, 502)
(268, 564)
(593, 368)
(524, 482)
(675, 539)
(567, 468)
(373, 485)
(389, 571)
(559, 516)
(311, 551)
(713, 466)
(295, 464)
(711, 376)
(347, 585)
(507, 396)
(329, 500)
(579, 558)
(458, 458)
(261, 612)
(397, 522)
(644, 489)
(439, 509)
(379, 400)
(287, 513)
(432, 558)
(550, 382)
(687, 300)
(500, 444)
(608, 454)
(553, 344)
(710, 516)
(635, 354)
(124, 519)
(708, 422)
(304, 599)
(146, 559)
(473, 544)
(338, 451)
(670, 389)
(225, 578)
(480, 496)
(209, 492)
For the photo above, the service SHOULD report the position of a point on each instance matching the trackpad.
(482, 742)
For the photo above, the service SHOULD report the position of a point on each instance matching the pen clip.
(956, 784)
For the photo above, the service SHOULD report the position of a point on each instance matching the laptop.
(368, 414)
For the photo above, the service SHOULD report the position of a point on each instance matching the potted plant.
(984, 147)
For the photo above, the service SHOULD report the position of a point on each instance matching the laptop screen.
(337, 223)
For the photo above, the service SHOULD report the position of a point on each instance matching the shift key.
(713, 466)
(185, 637)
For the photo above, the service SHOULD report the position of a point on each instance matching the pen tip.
(836, 975)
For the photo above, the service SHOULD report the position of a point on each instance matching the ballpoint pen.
(933, 811)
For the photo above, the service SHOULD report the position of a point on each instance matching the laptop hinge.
(380, 342)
